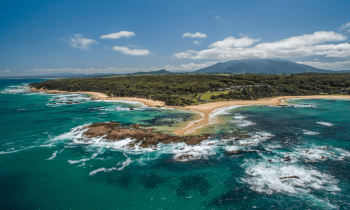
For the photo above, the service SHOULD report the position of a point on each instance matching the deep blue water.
(43, 166)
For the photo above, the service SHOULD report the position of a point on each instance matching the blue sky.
(42, 37)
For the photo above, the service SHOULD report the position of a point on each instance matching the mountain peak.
(260, 66)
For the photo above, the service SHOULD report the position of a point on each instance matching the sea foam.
(103, 169)
(279, 178)
(52, 156)
(325, 123)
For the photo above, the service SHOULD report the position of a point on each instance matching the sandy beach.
(204, 110)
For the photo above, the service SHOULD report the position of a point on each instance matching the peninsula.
(204, 93)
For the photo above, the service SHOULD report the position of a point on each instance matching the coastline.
(193, 127)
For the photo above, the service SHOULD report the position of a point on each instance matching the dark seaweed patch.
(124, 181)
(152, 180)
(189, 183)
(13, 192)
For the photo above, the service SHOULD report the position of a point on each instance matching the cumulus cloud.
(304, 45)
(118, 35)
(78, 41)
(340, 65)
(197, 42)
(189, 66)
(345, 26)
(128, 51)
(233, 42)
(196, 35)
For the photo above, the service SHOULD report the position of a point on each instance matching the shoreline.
(193, 127)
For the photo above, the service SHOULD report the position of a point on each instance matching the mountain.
(159, 72)
(262, 66)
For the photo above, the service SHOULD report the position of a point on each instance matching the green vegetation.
(185, 89)
(207, 95)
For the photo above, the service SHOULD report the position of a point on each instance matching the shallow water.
(44, 166)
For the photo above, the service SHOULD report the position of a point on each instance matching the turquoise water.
(44, 166)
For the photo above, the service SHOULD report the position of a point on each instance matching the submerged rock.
(113, 131)
(233, 152)
(290, 177)
(287, 159)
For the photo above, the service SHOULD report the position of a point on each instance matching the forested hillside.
(185, 89)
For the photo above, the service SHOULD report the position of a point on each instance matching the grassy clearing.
(206, 96)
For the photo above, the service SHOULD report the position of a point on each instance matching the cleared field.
(206, 96)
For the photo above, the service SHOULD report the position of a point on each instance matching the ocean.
(295, 157)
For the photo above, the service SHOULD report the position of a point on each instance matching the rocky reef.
(114, 131)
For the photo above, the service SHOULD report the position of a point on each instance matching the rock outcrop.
(113, 131)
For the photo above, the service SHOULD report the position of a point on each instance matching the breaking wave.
(16, 89)
(103, 169)
(241, 122)
(325, 123)
(52, 156)
(282, 178)
(221, 111)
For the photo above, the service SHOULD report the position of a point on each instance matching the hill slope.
(260, 66)
(159, 72)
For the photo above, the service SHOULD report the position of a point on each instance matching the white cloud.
(6, 71)
(345, 26)
(196, 35)
(118, 35)
(78, 41)
(233, 42)
(197, 42)
(128, 51)
(340, 65)
(189, 66)
(298, 46)
(217, 17)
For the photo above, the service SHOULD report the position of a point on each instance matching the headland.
(204, 110)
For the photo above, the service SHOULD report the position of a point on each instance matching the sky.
(89, 36)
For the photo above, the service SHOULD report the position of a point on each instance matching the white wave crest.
(277, 178)
(82, 160)
(192, 152)
(240, 122)
(52, 156)
(13, 150)
(16, 89)
(221, 111)
(306, 132)
(103, 169)
(325, 123)
(139, 104)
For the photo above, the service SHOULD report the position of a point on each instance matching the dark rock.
(290, 177)
(185, 157)
(233, 152)
(115, 132)
(287, 159)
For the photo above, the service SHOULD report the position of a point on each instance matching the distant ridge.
(59, 75)
(262, 66)
(159, 72)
